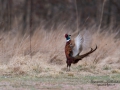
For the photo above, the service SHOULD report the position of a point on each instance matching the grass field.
(47, 68)
(65, 81)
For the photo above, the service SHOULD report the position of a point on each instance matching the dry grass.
(48, 53)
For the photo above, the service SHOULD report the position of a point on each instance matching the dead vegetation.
(48, 56)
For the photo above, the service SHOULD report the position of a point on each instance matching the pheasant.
(73, 48)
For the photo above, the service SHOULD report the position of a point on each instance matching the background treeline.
(30, 13)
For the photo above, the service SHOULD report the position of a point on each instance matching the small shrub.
(106, 68)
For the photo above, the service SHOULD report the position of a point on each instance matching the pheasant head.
(67, 37)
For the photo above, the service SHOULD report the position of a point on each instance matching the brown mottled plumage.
(70, 44)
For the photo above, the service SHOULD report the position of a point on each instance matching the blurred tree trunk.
(98, 12)
(30, 14)
(117, 14)
(9, 14)
(25, 16)
(109, 16)
(1, 14)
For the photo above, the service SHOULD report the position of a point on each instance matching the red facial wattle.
(66, 35)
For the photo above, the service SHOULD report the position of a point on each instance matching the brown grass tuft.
(48, 52)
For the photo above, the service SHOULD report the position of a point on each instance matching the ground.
(65, 81)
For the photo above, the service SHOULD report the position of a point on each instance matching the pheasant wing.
(78, 45)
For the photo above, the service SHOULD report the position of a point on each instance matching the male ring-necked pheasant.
(73, 49)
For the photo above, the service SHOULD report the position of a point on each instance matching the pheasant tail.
(80, 57)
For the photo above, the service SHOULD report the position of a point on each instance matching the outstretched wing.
(78, 45)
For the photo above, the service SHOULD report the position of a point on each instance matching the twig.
(30, 28)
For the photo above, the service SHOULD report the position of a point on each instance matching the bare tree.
(25, 16)
(9, 14)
